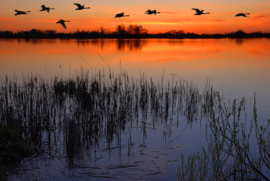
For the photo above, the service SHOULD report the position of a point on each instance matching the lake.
(235, 67)
(238, 67)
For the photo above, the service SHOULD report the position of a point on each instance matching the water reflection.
(239, 41)
(121, 44)
(100, 43)
(131, 44)
(37, 41)
(113, 124)
(221, 60)
(98, 151)
(176, 42)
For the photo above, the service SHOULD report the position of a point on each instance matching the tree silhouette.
(121, 29)
(239, 33)
(136, 29)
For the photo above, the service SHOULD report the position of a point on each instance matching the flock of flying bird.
(119, 15)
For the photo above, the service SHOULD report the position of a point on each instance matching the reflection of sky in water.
(237, 67)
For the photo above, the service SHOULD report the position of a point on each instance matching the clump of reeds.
(89, 108)
(12, 148)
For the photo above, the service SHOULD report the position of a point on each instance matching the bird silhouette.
(119, 15)
(199, 12)
(21, 12)
(151, 12)
(80, 7)
(62, 22)
(242, 14)
(44, 8)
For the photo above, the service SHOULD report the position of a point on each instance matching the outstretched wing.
(18, 11)
(240, 14)
(148, 11)
(43, 7)
(197, 10)
(79, 5)
(63, 24)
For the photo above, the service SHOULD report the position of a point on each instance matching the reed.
(237, 149)
(89, 109)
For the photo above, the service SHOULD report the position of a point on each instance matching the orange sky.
(174, 15)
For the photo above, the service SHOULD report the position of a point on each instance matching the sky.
(174, 15)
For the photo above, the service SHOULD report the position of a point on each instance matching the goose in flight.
(199, 12)
(80, 7)
(44, 8)
(62, 22)
(21, 12)
(151, 12)
(242, 14)
(119, 15)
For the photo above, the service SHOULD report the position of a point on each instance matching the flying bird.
(242, 14)
(119, 15)
(80, 7)
(21, 12)
(62, 22)
(44, 8)
(199, 12)
(151, 12)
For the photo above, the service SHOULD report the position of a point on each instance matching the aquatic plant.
(86, 109)
(237, 150)
(75, 117)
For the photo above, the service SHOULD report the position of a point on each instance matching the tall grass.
(89, 108)
(238, 149)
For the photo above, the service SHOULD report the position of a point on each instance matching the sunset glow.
(175, 15)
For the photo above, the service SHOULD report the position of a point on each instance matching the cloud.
(6, 19)
(189, 20)
(261, 16)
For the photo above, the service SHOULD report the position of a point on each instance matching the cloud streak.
(182, 21)
(261, 16)
(6, 19)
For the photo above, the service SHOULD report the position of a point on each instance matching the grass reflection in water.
(77, 120)
(73, 126)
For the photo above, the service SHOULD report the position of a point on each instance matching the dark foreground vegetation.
(238, 148)
(89, 111)
(132, 31)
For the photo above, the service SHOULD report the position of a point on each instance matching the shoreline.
(133, 36)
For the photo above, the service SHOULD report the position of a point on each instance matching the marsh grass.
(238, 149)
(86, 110)
(63, 117)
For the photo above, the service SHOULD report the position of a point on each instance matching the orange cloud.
(183, 21)
(6, 19)
(261, 16)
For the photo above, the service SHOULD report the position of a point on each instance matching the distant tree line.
(121, 31)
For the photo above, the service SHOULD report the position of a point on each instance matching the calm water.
(237, 68)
